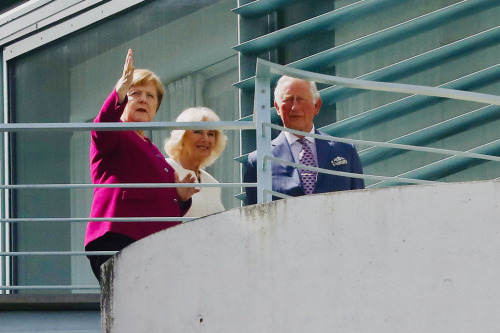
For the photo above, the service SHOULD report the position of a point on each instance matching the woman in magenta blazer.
(130, 157)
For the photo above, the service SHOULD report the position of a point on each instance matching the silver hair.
(278, 91)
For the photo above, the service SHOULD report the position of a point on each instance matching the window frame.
(23, 29)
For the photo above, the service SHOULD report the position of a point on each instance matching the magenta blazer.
(124, 157)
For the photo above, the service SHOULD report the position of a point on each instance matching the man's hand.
(125, 82)
(185, 193)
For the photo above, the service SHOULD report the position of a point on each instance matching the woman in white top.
(190, 151)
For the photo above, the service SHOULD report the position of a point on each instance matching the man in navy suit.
(297, 102)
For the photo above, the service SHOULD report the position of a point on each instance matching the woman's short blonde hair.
(143, 76)
(173, 145)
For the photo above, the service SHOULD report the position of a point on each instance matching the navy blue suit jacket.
(332, 155)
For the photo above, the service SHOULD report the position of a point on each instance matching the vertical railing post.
(262, 114)
(4, 227)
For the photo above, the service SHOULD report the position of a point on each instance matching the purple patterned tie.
(306, 157)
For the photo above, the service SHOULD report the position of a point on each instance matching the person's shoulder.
(206, 177)
(174, 164)
(280, 139)
(337, 144)
(111, 109)
(252, 156)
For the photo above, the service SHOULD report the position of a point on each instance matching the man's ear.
(277, 109)
(317, 105)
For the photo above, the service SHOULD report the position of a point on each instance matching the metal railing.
(22, 127)
(267, 70)
(263, 125)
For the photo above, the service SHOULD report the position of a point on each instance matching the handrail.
(97, 219)
(348, 174)
(418, 63)
(452, 162)
(47, 287)
(265, 69)
(57, 253)
(404, 88)
(263, 126)
(387, 144)
(73, 127)
(120, 185)
(437, 131)
(331, 95)
(409, 104)
(126, 126)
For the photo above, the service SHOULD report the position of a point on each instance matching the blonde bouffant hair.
(173, 145)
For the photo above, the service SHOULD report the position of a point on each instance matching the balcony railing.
(267, 72)
(261, 122)
(6, 254)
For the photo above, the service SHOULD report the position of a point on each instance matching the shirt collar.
(291, 138)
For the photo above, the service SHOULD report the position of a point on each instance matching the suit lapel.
(281, 149)
(323, 149)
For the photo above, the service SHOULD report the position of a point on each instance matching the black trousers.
(110, 241)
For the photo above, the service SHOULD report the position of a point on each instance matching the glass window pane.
(68, 80)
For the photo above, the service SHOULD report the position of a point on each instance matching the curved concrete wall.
(400, 259)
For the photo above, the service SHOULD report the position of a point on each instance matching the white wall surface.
(400, 259)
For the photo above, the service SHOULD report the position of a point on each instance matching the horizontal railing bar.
(388, 145)
(416, 64)
(57, 253)
(127, 126)
(383, 86)
(123, 185)
(242, 158)
(240, 196)
(277, 194)
(397, 108)
(97, 219)
(348, 174)
(437, 169)
(409, 104)
(433, 133)
(48, 287)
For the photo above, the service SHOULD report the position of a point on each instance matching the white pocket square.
(339, 161)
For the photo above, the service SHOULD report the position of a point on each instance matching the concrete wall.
(401, 259)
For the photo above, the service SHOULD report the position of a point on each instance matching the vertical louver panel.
(451, 44)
